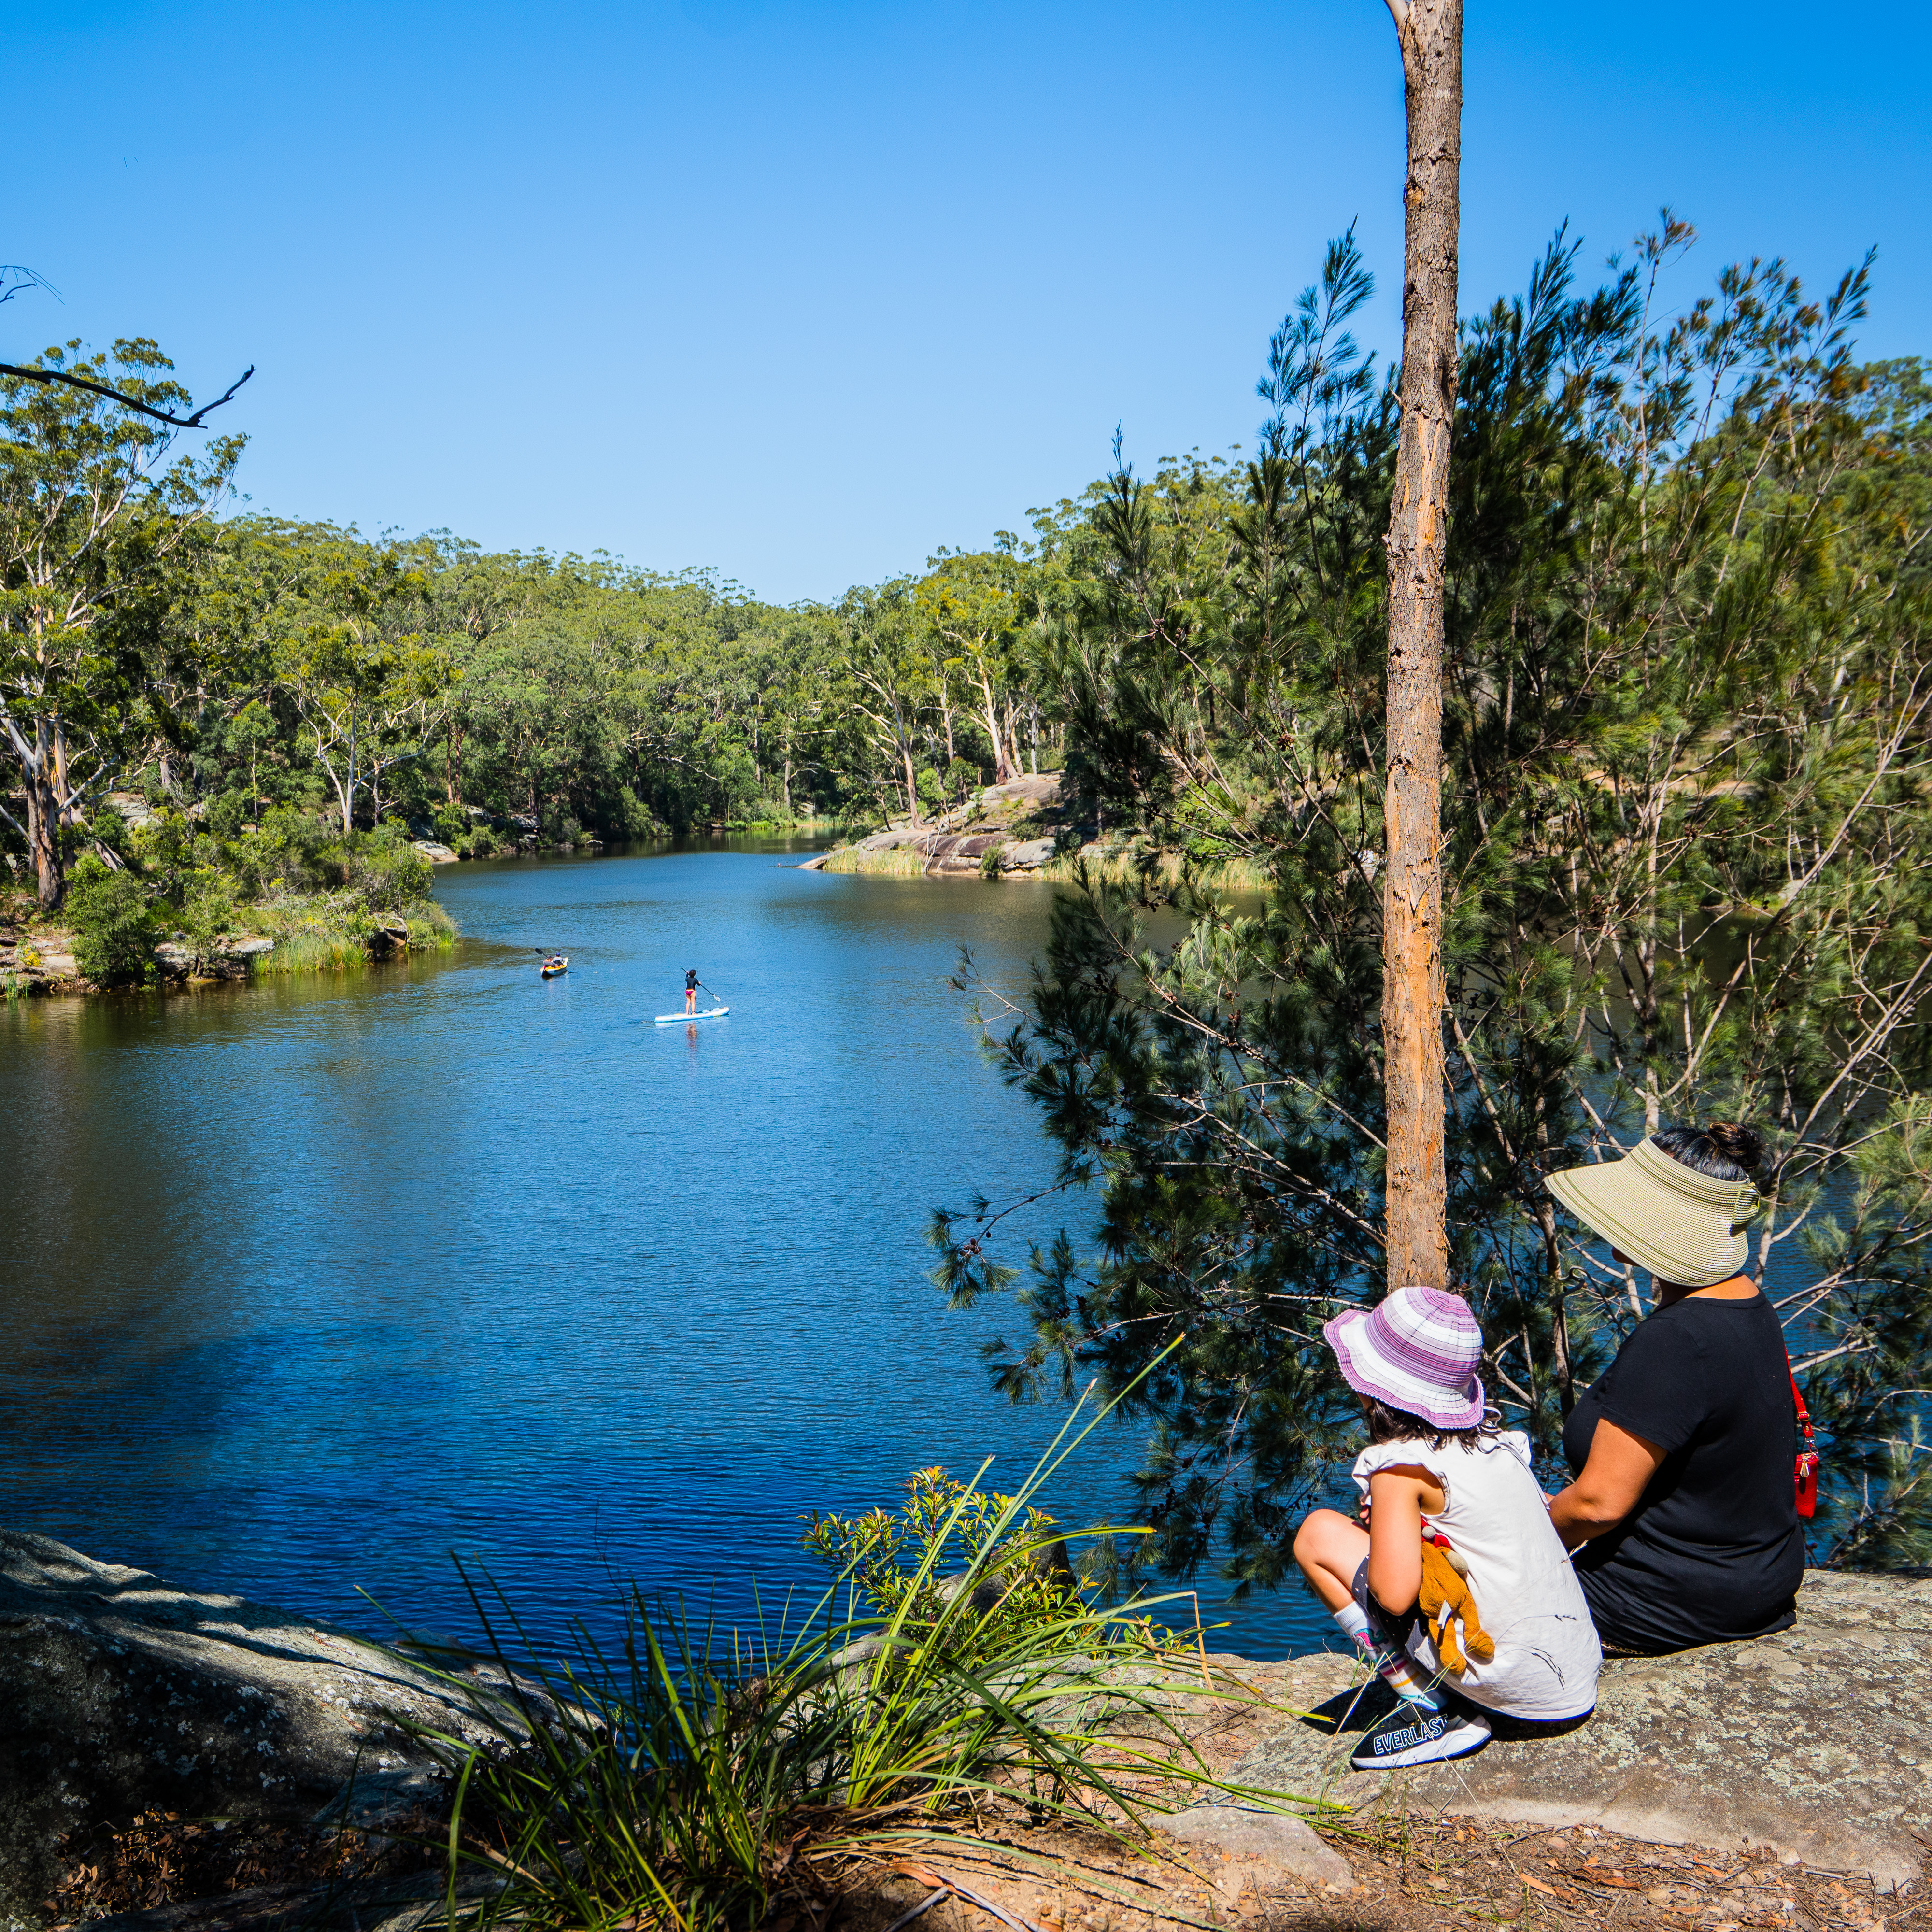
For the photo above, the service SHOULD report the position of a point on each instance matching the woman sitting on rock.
(1457, 1528)
(1682, 1508)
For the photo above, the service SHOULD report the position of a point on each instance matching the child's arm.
(1397, 1497)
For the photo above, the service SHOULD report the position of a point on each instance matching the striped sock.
(1398, 1671)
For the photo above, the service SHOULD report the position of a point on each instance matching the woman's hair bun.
(1723, 1151)
(1744, 1145)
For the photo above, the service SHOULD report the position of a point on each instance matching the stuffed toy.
(1446, 1600)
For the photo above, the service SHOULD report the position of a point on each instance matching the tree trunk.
(1431, 35)
(43, 838)
(911, 784)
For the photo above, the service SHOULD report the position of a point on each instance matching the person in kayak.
(691, 989)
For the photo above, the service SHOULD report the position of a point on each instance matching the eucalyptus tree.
(893, 681)
(970, 604)
(100, 521)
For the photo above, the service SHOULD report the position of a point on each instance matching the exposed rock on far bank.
(121, 1694)
(982, 837)
(42, 961)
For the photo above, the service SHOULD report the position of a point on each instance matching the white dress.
(1527, 1595)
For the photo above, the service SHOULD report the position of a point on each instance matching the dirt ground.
(1411, 1873)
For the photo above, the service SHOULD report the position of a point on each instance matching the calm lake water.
(306, 1286)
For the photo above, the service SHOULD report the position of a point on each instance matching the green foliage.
(1688, 658)
(205, 916)
(900, 1561)
(695, 1781)
(387, 873)
(114, 931)
(98, 530)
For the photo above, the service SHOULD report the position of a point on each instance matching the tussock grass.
(320, 933)
(692, 1779)
(902, 863)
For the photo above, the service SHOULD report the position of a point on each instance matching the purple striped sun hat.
(1418, 1350)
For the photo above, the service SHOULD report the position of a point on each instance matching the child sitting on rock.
(1457, 1527)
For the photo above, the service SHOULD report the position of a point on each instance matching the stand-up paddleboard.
(675, 1019)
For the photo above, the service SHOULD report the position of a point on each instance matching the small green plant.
(389, 873)
(114, 931)
(701, 1779)
(899, 1559)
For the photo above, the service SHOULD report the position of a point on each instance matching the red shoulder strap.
(1806, 1474)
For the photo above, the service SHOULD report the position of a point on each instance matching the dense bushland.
(1685, 799)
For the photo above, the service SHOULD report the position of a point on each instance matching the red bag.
(1808, 1460)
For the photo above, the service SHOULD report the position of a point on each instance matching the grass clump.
(902, 861)
(694, 1780)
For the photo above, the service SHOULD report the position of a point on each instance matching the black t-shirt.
(1713, 1551)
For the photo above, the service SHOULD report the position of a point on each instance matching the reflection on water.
(308, 1284)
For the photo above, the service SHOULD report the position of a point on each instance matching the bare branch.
(116, 396)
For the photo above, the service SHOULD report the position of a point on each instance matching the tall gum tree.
(1430, 32)
(96, 525)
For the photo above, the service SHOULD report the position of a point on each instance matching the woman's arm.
(1615, 1477)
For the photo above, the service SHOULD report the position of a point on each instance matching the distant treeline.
(227, 667)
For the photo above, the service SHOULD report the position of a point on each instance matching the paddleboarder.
(691, 989)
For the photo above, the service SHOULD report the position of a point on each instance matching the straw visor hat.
(1685, 1227)
(1417, 1350)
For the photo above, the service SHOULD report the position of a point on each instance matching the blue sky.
(802, 292)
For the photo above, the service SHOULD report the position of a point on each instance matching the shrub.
(390, 875)
(694, 1780)
(207, 916)
(635, 819)
(225, 816)
(113, 928)
(898, 1561)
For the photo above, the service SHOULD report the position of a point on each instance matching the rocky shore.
(1004, 831)
(1026, 830)
(1784, 1782)
(39, 960)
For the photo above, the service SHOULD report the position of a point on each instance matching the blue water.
(310, 1284)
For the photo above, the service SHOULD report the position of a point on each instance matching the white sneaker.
(1411, 1734)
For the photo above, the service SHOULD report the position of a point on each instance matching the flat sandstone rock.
(1814, 1741)
(120, 1694)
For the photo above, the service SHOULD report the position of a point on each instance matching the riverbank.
(182, 1760)
(1023, 830)
(157, 898)
(310, 933)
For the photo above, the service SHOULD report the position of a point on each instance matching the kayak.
(550, 970)
(672, 1019)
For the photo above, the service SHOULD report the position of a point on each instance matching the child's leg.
(1330, 1548)
(1334, 1554)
